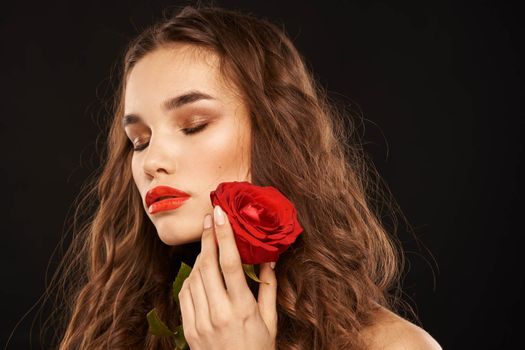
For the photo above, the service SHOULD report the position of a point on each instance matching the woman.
(208, 96)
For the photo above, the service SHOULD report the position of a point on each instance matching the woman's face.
(157, 121)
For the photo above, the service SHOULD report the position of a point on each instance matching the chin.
(175, 239)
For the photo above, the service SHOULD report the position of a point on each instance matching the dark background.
(439, 84)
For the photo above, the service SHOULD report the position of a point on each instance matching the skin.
(195, 163)
(218, 308)
(392, 332)
(217, 315)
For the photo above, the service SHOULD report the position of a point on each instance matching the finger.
(209, 270)
(229, 258)
(200, 301)
(187, 311)
(267, 297)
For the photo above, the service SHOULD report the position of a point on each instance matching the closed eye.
(186, 131)
(189, 131)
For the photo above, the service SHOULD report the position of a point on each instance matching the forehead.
(171, 71)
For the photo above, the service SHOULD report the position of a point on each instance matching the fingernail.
(218, 215)
(207, 221)
(272, 265)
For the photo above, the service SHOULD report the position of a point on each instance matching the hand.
(216, 316)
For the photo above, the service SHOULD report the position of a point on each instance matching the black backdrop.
(439, 85)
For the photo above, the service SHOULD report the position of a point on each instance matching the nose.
(158, 158)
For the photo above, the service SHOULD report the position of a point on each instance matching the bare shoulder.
(392, 332)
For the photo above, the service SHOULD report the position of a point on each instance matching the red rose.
(263, 220)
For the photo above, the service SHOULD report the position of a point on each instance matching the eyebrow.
(171, 104)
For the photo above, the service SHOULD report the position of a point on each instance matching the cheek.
(135, 172)
(225, 150)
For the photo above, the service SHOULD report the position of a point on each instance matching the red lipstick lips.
(163, 198)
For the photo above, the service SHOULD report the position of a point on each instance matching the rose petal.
(263, 219)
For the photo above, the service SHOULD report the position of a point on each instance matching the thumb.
(267, 297)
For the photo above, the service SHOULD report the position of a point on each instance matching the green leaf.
(180, 341)
(156, 326)
(249, 270)
(184, 272)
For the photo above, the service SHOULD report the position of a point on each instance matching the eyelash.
(187, 131)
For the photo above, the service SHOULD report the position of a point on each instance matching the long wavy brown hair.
(330, 281)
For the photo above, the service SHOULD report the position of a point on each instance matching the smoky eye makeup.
(196, 124)
(194, 130)
(196, 117)
(187, 119)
